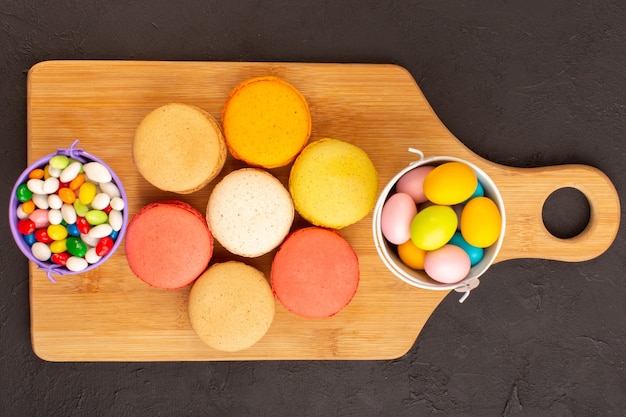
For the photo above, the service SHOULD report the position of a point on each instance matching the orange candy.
(77, 182)
(28, 206)
(36, 173)
(67, 195)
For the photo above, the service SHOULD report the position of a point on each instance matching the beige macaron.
(250, 212)
(179, 148)
(231, 306)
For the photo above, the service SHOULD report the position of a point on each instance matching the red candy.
(82, 225)
(107, 209)
(60, 258)
(41, 235)
(104, 246)
(26, 226)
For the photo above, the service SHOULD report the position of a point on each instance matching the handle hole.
(566, 213)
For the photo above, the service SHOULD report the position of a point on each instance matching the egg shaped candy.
(433, 227)
(475, 254)
(481, 222)
(450, 183)
(411, 255)
(448, 265)
(412, 183)
(397, 214)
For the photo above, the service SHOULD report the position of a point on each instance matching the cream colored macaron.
(179, 148)
(250, 212)
(333, 183)
(231, 306)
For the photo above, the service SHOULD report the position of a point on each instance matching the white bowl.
(418, 278)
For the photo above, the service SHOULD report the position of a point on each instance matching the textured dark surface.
(522, 83)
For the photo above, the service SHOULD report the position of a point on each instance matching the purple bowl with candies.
(68, 212)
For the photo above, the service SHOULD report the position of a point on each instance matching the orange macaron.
(266, 122)
(168, 244)
(315, 272)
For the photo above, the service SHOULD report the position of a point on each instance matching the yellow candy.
(450, 183)
(57, 232)
(87, 192)
(481, 222)
(411, 255)
(67, 196)
(58, 246)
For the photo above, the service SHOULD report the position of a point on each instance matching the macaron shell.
(168, 244)
(315, 273)
(266, 122)
(231, 306)
(333, 183)
(179, 148)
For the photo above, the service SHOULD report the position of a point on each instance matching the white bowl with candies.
(439, 224)
(68, 212)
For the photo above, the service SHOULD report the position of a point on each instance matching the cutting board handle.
(526, 189)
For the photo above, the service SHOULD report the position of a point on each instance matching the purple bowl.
(50, 267)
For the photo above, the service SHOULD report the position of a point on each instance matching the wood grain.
(109, 315)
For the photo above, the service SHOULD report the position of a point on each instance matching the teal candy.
(475, 254)
(478, 192)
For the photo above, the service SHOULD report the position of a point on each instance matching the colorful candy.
(440, 220)
(70, 213)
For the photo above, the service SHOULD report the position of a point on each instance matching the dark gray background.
(523, 83)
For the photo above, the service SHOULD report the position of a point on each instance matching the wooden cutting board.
(109, 315)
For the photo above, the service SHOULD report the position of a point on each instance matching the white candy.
(88, 240)
(100, 231)
(41, 201)
(92, 257)
(117, 203)
(54, 201)
(20, 213)
(41, 251)
(51, 185)
(55, 216)
(35, 186)
(70, 172)
(97, 172)
(76, 264)
(69, 213)
(111, 189)
(101, 201)
(116, 220)
(54, 172)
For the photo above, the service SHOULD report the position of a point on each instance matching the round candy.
(433, 227)
(475, 254)
(76, 264)
(57, 232)
(97, 172)
(59, 162)
(397, 214)
(58, 246)
(41, 251)
(26, 226)
(450, 183)
(412, 183)
(42, 236)
(75, 246)
(481, 222)
(30, 239)
(95, 217)
(40, 217)
(448, 265)
(60, 258)
(411, 255)
(23, 193)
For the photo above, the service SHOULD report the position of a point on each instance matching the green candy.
(59, 161)
(23, 194)
(76, 247)
(96, 217)
(81, 209)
